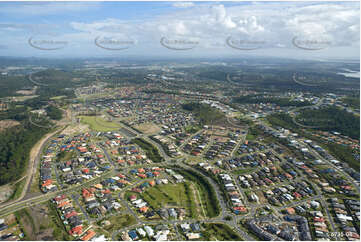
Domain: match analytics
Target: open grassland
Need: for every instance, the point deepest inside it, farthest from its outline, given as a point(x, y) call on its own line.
point(172, 195)
point(97, 123)
point(118, 222)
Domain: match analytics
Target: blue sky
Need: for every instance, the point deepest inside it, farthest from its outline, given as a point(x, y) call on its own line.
point(309, 30)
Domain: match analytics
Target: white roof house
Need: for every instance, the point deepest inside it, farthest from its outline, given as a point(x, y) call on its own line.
point(141, 232)
point(149, 230)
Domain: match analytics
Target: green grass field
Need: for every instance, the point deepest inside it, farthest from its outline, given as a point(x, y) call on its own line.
point(171, 195)
point(119, 221)
point(244, 171)
point(165, 195)
point(65, 156)
point(250, 137)
point(97, 123)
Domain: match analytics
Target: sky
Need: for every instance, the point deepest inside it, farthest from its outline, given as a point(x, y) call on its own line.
point(301, 30)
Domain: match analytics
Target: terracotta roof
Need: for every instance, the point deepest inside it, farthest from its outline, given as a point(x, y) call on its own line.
point(47, 183)
point(77, 230)
point(73, 213)
point(143, 209)
point(90, 234)
point(62, 204)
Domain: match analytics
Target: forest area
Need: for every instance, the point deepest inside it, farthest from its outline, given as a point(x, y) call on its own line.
point(16, 142)
point(15, 146)
point(205, 113)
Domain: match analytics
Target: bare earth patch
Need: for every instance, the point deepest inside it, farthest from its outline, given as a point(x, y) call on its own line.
point(81, 128)
point(148, 128)
point(23, 98)
point(26, 92)
point(7, 123)
point(5, 192)
point(36, 222)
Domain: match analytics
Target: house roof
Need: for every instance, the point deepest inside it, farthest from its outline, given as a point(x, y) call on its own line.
point(71, 214)
point(143, 209)
point(60, 197)
point(47, 183)
point(89, 235)
point(62, 204)
point(77, 230)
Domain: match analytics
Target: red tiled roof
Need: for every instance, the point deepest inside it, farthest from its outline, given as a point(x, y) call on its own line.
point(47, 183)
point(73, 213)
point(62, 204)
point(90, 234)
point(240, 208)
point(317, 219)
point(60, 197)
point(143, 209)
point(77, 230)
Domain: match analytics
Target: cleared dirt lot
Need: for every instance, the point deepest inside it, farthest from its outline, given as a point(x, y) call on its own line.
point(7, 123)
point(71, 129)
point(37, 222)
point(148, 128)
point(5, 192)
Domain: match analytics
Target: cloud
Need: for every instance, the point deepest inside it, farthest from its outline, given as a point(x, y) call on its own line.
point(274, 23)
point(21, 28)
point(45, 8)
point(183, 4)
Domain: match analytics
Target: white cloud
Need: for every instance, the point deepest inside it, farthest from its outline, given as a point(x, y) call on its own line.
point(183, 4)
point(275, 23)
point(46, 8)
